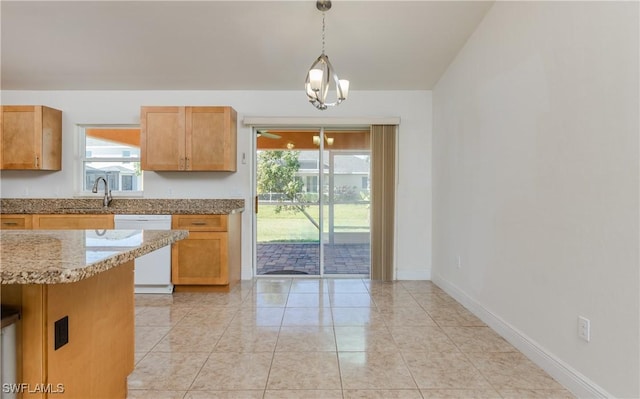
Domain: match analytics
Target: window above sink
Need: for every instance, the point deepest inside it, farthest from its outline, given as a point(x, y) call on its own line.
point(112, 152)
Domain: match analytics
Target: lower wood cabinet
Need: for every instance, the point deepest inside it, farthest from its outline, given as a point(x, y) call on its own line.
point(15, 222)
point(98, 315)
point(210, 256)
point(72, 222)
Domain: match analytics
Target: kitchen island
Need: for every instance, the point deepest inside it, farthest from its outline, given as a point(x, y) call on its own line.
point(75, 292)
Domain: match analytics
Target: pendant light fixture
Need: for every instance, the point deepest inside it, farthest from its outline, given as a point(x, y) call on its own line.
point(322, 76)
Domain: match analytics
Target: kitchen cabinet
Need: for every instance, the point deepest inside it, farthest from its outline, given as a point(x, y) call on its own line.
point(30, 138)
point(15, 222)
point(72, 222)
point(188, 138)
point(210, 256)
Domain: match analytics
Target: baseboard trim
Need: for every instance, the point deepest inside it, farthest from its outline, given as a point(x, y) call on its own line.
point(574, 381)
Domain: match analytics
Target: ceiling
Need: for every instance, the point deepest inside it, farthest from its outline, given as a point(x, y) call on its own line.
point(228, 45)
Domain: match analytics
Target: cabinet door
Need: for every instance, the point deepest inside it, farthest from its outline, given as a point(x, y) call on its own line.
point(31, 138)
point(51, 139)
point(200, 259)
point(72, 222)
point(13, 222)
point(20, 144)
point(211, 138)
point(162, 138)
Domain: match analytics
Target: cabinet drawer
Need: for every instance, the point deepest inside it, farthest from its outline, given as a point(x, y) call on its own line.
point(199, 222)
point(72, 222)
point(8, 222)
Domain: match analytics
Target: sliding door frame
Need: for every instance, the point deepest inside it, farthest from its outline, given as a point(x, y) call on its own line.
point(265, 123)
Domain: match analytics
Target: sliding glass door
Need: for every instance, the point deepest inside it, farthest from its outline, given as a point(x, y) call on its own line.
point(313, 202)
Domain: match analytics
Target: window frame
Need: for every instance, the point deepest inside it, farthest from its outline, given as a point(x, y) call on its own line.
point(81, 158)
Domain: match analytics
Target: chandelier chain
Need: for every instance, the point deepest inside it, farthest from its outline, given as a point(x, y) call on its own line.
point(323, 32)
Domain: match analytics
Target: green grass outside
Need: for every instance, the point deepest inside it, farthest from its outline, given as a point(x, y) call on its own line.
point(288, 226)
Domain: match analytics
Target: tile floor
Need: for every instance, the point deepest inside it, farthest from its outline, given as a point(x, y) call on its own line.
point(332, 338)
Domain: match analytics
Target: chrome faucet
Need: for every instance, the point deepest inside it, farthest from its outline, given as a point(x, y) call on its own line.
point(107, 193)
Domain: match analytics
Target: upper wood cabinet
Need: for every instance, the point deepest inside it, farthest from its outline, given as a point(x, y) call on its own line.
point(188, 138)
point(30, 137)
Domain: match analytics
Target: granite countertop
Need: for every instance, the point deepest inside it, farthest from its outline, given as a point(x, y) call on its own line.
point(67, 256)
point(121, 206)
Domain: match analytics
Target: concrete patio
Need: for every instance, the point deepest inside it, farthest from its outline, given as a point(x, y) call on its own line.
point(303, 258)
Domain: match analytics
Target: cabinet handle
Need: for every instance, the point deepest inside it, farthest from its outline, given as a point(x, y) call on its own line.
point(187, 163)
point(36, 161)
point(199, 223)
point(181, 166)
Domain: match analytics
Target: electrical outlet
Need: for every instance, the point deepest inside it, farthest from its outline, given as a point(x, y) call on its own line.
point(584, 328)
point(61, 332)
point(459, 262)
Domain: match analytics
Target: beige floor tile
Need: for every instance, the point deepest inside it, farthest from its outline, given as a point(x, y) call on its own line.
point(407, 317)
point(351, 300)
point(512, 370)
point(418, 285)
point(450, 370)
point(346, 285)
point(382, 394)
point(164, 316)
point(137, 356)
point(423, 339)
point(536, 394)
point(455, 316)
point(234, 371)
point(308, 300)
point(306, 339)
point(303, 394)
point(209, 315)
point(383, 286)
point(307, 317)
point(374, 370)
point(460, 394)
point(267, 300)
point(273, 285)
point(477, 339)
point(361, 339)
point(189, 339)
point(248, 338)
point(148, 337)
point(363, 316)
point(309, 286)
point(153, 300)
point(239, 394)
point(393, 298)
point(313, 370)
point(265, 317)
point(151, 394)
point(166, 371)
point(325, 339)
point(390, 305)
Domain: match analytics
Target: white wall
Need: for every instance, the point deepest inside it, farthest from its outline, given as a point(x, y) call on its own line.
point(123, 107)
point(535, 181)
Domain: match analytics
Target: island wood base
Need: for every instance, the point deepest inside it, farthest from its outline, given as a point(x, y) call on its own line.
point(99, 356)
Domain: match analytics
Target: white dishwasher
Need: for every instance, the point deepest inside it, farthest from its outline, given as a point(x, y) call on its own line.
point(153, 270)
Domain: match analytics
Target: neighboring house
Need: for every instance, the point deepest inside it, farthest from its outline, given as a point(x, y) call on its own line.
point(350, 174)
point(119, 177)
point(116, 162)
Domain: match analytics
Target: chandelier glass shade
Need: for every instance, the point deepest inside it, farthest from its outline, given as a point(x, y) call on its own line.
point(322, 78)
